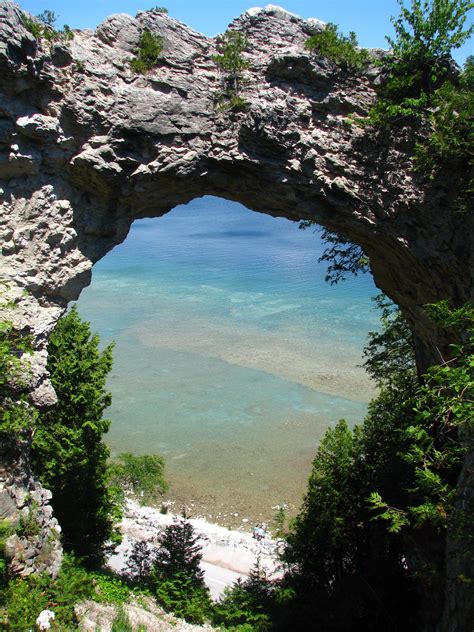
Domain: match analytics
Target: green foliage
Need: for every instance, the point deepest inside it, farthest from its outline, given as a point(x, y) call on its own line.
point(110, 588)
point(17, 416)
point(32, 25)
point(149, 52)
point(230, 60)
point(121, 623)
point(68, 453)
point(425, 35)
point(43, 27)
point(177, 579)
point(335, 548)
point(6, 530)
point(142, 476)
point(340, 49)
point(28, 525)
point(24, 599)
point(441, 431)
point(344, 257)
point(390, 353)
point(48, 17)
point(323, 529)
point(159, 9)
point(139, 564)
point(181, 596)
point(451, 139)
point(279, 522)
point(179, 553)
point(245, 606)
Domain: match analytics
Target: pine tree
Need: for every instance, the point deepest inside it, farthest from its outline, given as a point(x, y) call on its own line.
point(179, 553)
point(68, 453)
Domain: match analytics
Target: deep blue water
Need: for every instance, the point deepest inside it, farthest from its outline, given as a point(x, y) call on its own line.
point(232, 353)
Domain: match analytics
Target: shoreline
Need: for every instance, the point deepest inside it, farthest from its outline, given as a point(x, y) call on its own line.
point(235, 551)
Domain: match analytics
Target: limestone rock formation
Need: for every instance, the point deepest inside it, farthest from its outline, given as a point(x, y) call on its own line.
point(87, 146)
point(34, 544)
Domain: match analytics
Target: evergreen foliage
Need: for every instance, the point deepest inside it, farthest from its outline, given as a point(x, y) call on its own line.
point(246, 605)
point(232, 63)
point(334, 546)
point(177, 579)
point(149, 52)
point(179, 553)
point(139, 564)
point(44, 27)
point(68, 453)
point(339, 48)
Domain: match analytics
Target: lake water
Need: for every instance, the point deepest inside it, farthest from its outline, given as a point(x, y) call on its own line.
point(232, 354)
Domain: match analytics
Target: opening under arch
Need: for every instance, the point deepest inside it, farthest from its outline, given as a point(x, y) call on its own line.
point(233, 355)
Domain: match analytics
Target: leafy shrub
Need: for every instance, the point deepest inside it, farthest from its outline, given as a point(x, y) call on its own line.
point(451, 139)
point(149, 52)
point(159, 9)
point(6, 530)
point(337, 47)
point(25, 598)
point(142, 475)
point(32, 25)
point(17, 416)
point(110, 588)
point(28, 526)
point(43, 27)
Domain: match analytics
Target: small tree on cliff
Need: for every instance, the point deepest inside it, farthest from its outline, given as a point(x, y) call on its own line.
point(69, 454)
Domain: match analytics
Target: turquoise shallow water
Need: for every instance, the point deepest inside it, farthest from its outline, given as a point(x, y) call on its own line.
point(232, 354)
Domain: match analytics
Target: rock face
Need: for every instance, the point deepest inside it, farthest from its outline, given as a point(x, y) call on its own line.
point(87, 146)
point(34, 544)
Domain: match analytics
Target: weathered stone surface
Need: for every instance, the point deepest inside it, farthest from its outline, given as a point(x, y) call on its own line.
point(23, 501)
point(87, 146)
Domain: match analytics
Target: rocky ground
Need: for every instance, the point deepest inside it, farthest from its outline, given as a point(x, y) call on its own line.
point(227, 554)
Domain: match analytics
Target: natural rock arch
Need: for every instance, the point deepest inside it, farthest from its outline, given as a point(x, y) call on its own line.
point(87, 146)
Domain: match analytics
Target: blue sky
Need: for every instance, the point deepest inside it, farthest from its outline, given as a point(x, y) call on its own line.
point(370, 19)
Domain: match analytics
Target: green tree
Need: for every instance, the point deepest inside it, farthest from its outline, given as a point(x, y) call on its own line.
point(179, 552)
point(230, 60)
point(335, 549)
point(426, 33)
point(69, 454)
point(177, 578)
point(150, 47)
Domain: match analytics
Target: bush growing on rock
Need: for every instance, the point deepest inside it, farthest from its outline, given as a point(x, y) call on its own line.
point(149, 52)
point(338, 48)
point(231, 61)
